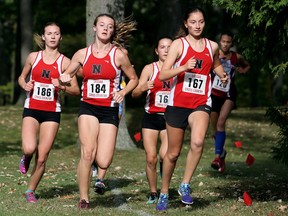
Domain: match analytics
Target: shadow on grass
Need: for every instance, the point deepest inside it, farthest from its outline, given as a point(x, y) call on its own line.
point(66, 190)
point(261, 181)
point(259, 190)
point(175, 201)
point(10, 148)
point(53, 192)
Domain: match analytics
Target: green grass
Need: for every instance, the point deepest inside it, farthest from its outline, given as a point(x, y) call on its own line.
point(214, 194)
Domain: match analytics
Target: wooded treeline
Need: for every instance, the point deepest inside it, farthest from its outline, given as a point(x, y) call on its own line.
point(260, 28)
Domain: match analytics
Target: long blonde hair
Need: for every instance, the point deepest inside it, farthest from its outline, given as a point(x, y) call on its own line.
point(122, 30)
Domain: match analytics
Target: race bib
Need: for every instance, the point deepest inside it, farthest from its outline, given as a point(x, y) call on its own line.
point(217, 84)
point(43, 92)
point(161, 99)
point(98, 88)
point(194, 83)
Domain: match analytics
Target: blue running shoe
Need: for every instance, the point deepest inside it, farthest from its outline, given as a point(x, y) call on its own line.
point(184, 191)
point(162, 202)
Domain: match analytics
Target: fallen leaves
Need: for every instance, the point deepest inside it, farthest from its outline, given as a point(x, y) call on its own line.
point(282, 208)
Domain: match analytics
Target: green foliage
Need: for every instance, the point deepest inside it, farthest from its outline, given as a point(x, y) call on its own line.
point(260, 28)
point(266, 27)
point(262, 33)
point(6, 93)
point(279, 117)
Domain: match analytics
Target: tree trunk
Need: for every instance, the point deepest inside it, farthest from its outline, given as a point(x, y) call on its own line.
point(116, 9)
point(169, 24)
point(26, 42)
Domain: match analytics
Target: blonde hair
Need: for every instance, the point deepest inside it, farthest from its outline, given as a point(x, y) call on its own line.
point(39, 41)
point(122, 30)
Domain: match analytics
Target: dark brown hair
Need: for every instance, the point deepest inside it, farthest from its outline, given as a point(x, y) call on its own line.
point(183, 31)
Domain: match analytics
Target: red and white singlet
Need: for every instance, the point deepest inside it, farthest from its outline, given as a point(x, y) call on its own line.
point(44, 96)
point(223, 90)
point(101, 78)
point(192, 88)
point(157, 98)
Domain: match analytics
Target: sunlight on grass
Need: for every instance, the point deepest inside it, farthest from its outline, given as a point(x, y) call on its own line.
point(214, 194)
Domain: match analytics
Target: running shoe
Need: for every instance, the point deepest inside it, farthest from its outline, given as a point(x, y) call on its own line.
point(99, 187)
point(216, 163)
point(30, 197)
point(184, 191)
point(162, 202)
point(152, 198)
point(219, 162)
point(24, 164)
point(83, 204)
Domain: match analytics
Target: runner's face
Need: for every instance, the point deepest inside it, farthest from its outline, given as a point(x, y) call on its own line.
point(52, 36)
point(225, 43)
point(104, 27)
point(195, 24)
point(163, 48)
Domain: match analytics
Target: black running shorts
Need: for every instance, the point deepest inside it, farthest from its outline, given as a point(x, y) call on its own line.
point(104, 114)
point(42, 116)
point(154, 121)
point(178, 116)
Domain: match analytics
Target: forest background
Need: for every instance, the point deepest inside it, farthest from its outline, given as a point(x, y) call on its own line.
point(261, 33)
point(260, 28)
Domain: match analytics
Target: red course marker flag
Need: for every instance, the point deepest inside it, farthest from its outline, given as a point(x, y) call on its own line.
point(247, 199)
point(250, 160)
point(137, 136)
point(238, 144)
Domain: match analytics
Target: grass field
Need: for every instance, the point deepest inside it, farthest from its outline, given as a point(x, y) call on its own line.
point(214, 194)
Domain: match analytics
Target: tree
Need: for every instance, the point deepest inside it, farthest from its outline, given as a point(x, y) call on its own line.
point(264, 40)
point(8, 27)
point(116, 9)
point(169, 25)
point(24, 42)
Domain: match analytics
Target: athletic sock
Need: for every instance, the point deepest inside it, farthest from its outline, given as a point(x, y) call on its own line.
point(220, 138)
point(29, 191)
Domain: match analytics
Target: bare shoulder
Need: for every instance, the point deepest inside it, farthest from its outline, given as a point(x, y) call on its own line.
point(176, 48)
point(215, 46)
point(80, 55)
point(177, 42)
point(121, 56)
point(31, 57)
point(148, 68)
point(82, 51)
point(125, 51)
point(121, 52)
point(66, 61)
